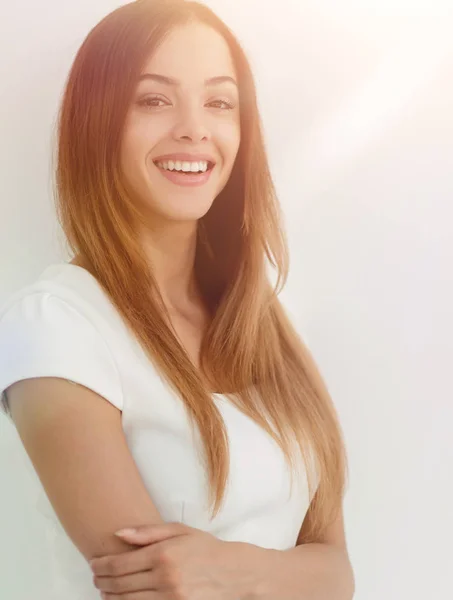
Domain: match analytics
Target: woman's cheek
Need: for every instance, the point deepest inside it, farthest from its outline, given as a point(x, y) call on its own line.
point(228, 133)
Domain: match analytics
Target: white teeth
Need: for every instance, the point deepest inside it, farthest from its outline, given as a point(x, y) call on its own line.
point(185, 166)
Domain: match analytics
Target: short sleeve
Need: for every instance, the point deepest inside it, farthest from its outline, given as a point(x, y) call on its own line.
point(42, 335)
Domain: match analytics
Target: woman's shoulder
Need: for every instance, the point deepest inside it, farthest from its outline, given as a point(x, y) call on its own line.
point(61, 283)
point(59, 325)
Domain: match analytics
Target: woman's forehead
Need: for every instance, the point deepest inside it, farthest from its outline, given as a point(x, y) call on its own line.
point(190, 51)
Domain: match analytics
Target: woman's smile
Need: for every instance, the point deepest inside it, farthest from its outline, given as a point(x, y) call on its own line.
point(185, 176)
point(186, 169)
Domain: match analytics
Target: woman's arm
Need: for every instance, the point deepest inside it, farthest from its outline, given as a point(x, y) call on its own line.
point(211, 568)
point(317, 571)
point(306, 572)
point(75, 441)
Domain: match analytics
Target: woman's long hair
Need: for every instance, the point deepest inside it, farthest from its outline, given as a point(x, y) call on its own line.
point(250, 349)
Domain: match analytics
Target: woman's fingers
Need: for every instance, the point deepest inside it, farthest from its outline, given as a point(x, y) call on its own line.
point(136, 582)
point(134, 596)
point(126, 563)
point(150, 534)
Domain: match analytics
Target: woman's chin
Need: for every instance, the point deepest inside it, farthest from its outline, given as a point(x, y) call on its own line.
point(182, 210)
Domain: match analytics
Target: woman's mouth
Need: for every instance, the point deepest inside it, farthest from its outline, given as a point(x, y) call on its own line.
point(186, 173)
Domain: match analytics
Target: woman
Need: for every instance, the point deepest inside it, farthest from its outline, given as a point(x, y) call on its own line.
point(198, 415)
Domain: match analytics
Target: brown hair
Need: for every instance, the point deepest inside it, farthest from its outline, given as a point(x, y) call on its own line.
point(250, 348)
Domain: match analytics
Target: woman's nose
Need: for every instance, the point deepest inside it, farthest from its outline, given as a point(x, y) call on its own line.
point(191, 127)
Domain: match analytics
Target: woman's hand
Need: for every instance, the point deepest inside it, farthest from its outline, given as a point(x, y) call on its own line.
point(177, 561)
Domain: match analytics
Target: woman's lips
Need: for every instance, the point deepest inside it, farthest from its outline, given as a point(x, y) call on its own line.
point(186, 179)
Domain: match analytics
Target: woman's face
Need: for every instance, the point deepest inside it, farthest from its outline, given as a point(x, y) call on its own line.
point(182, 132)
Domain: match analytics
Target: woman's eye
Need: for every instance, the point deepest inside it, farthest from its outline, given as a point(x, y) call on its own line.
point(222, 104)
point(157, 102)
point(152, 102)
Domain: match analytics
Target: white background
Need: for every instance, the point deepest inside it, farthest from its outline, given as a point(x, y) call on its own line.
point(357, 102)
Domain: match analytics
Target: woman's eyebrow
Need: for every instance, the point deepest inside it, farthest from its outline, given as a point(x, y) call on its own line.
point(220, 79)
point(174, 82)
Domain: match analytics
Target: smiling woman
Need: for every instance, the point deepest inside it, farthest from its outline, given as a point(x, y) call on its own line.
point(185, 111)
point(197, 401)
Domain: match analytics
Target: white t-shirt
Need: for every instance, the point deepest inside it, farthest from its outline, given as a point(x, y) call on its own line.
point(64, 325)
